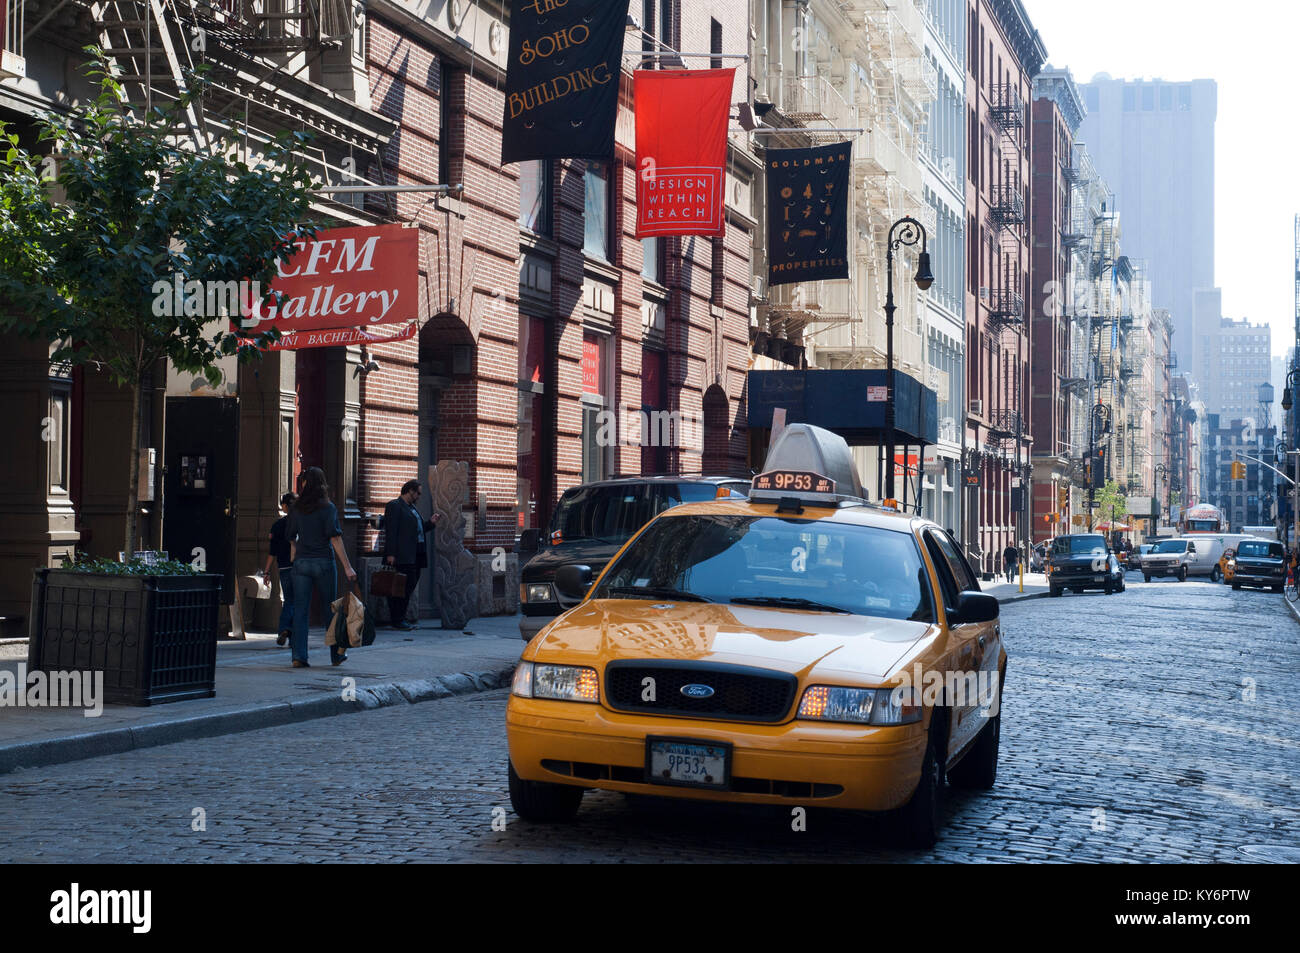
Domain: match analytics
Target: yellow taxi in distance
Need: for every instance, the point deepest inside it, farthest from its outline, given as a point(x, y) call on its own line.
point(802, 647)
point(1228, 566)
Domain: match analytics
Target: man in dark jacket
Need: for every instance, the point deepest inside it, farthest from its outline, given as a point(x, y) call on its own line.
point(404, 546)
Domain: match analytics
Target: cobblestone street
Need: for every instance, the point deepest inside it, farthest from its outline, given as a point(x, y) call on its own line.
point(1152, 725)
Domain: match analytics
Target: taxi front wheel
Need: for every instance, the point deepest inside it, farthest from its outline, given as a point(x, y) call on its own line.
point(919, 818)
point(539, 801)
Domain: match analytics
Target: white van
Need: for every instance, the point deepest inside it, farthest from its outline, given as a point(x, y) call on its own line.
point(1196, 555)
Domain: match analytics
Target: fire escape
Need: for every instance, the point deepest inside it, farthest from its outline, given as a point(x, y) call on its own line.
point(263, 73)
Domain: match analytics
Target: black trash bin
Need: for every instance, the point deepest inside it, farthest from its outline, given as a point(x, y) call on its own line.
point(153, 637)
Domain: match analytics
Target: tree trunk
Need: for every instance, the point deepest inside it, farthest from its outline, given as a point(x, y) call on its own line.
point(133, 477)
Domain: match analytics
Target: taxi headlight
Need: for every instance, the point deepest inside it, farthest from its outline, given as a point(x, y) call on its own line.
point(874, 706)
point(570, 683)
point(539, 592)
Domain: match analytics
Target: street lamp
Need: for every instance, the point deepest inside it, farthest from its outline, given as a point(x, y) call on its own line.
point(910, 232)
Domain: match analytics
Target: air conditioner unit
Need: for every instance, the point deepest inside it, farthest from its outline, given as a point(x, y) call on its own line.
point(756, 287)
point(984, 293)
point(977, 408)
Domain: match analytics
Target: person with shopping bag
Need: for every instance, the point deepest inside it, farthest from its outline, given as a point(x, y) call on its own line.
point(404, 547)
point(351, 625)
point(315, 540)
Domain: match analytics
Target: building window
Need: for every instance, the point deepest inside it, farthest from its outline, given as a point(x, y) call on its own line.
point(652, 260)
point(595, 438)
point(447, 133)
point(719, 271)
point(596, 212)
point(654, 397)
point(715, 44)
point(535, 196)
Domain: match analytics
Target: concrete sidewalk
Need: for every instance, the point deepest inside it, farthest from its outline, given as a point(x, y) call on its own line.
point(1035, 586)
point(256, 687)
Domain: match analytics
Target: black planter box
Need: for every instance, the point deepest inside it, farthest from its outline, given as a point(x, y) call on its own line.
point(153, 637)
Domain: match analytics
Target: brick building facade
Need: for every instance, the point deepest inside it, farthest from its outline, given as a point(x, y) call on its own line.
point(1005, 54)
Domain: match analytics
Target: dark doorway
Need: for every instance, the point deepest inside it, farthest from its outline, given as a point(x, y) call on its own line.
point(201, 484)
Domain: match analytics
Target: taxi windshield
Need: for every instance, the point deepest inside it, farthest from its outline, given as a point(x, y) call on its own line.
point(1078, 545)
point(1171, 546)
point(771, 561)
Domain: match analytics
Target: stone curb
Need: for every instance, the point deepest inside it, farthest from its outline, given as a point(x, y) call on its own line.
point(93, 744)
point(1295, 610)
point(1021, 597)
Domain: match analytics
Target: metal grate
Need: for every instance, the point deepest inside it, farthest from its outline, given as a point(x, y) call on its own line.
point(739, 693)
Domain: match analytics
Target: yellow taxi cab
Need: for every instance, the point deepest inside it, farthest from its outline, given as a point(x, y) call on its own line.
point(802, 647)
point(1228, 565)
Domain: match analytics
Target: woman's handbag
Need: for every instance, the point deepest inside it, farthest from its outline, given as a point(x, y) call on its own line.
point(387, 581)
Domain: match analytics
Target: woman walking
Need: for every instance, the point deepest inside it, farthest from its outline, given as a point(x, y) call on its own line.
point(279, 555)
point(313, 532)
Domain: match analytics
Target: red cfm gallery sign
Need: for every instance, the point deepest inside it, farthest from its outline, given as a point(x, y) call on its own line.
point(340, 286)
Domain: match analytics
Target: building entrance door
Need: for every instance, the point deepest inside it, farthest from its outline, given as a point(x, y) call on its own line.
point(201, 484)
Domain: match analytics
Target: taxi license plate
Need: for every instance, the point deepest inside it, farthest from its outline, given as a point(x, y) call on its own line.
point(685, 761)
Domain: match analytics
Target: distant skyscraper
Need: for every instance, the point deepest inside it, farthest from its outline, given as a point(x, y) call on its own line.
point(1153, 143)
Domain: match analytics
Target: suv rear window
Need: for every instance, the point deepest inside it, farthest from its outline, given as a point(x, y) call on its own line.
point(610, 514)
point(1078, 545)
point(1260, 549)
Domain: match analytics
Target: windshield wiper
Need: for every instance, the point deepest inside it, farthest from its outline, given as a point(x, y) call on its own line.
point(659, 592)
point(787, 602)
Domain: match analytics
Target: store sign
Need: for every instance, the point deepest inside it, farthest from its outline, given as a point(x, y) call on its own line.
point(562, 79)
point(341, 337)
point(343, 279)
point(681, 151)
point(905, 465)
point(591, 365)
point(969, 478)
point(808, 213)
point(877, 395)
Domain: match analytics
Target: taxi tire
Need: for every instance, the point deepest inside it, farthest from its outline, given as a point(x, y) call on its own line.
point(978, 770)
point(918, 819)
point(539, 801)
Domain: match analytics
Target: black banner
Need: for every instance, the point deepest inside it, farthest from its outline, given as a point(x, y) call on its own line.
point(562, 79)
point(808, 213)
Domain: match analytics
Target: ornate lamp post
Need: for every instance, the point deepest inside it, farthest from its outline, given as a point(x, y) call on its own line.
point(1099, 426)
point(909, 232)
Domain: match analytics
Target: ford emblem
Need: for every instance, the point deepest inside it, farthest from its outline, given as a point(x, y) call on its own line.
point(697, 691)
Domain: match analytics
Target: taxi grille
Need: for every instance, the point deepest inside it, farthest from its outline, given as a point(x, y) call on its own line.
point(739, 693)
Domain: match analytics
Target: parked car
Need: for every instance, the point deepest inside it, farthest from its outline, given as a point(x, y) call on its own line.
point(591, 523)
point(1083, 561)
point(1038, 558)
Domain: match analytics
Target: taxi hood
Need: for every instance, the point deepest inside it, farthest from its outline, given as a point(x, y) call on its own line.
point(817, 645)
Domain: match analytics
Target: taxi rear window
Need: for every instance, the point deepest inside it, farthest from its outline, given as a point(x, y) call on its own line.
point(765, 560)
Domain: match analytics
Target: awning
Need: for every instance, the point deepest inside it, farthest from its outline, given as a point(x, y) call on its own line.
point(850, 403)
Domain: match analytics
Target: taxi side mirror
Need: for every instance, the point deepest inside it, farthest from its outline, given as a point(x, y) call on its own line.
point(573, 581)
point(974, 607)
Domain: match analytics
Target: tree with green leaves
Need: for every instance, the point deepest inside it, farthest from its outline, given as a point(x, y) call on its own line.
point(140, 211)
point(1112, 505)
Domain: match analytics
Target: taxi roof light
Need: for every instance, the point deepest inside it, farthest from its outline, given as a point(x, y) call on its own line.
point(803, 450)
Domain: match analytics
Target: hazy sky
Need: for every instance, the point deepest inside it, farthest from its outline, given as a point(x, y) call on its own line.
point(1252, 48)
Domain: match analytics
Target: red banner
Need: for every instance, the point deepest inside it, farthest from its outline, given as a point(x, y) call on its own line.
point(344, 278)
point(681, 151)
point(591, 376)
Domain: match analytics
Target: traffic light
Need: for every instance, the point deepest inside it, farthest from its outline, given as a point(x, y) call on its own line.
point(1097, 476)
point(1238, 470)
point(1063, 496)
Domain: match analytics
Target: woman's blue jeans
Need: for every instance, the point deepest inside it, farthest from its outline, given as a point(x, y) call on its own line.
point(308, 573)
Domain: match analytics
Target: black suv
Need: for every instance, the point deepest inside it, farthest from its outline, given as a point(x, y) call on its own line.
point(1260, 562)
point(1083, 561)
point(591, 523)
